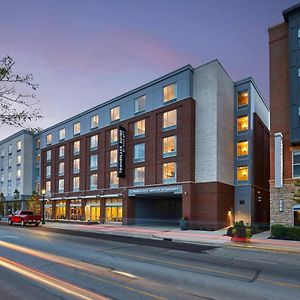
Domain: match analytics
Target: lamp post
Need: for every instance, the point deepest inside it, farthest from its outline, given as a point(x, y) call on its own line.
point(43, 206)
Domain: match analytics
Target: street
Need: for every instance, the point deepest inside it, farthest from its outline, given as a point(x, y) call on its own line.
point(35, 264)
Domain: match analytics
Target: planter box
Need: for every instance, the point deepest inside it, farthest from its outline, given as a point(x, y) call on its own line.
point(184, 224)
point(240, 239)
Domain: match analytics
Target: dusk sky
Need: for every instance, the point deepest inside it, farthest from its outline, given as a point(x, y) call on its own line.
point(85, 52)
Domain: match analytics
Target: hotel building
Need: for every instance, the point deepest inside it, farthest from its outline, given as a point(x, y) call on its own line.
point(192, 144)
point(284, 47)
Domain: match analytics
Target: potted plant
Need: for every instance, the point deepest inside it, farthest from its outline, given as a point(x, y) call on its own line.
point(240, 232)
point(184, 224)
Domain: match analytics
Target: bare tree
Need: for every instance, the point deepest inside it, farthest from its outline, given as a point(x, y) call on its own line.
point(16, 106)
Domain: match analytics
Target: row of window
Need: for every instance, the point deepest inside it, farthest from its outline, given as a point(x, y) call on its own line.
point(168, 169)
point(9, 175)
point(10, 148)
point(9, 187)
point(18, 162)
point(169, 93)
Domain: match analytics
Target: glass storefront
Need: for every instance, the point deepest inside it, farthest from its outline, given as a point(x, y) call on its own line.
point(60, 211)
point(48, 211)
point(75, 210)
point(113, 211)
point(92, 210)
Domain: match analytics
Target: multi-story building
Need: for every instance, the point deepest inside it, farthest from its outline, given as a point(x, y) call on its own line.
point(284, 43)
point(190, 144)
point(16, 169)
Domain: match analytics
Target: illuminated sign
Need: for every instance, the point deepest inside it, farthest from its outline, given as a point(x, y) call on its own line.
point(121, 151)
point(175, 189)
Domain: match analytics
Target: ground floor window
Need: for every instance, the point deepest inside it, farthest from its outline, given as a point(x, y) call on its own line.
point(297, 218)
point(92, 210)
point(48, 211)
point(113, 211)
point(75, 210)
point(60, 211)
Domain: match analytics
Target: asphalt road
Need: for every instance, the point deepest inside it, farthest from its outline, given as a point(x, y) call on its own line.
point(36, 264)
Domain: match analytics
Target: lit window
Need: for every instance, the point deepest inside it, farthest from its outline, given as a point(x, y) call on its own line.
point(61, 185)
point(140, 104)
point(170, 92)
point(76, 147)
point(9, 162)
point(242, 124)
point(113, 158)
point(76, 128)
point(242, 174)
point(94, 142)
point(19, 173)
point(243, 99)
point(9, 149)
point(94, 121)
point(113, 179)
point(139, 152)
point(19, 145)
point(76, 182)
point(242, 148)
point(48, 187)
point(9, 188)
point(2, 152)
point(38, 158)
point(9, 176)
point(298, 35)
point(93, 181)
point(61, 151)
point(94, 162)
point(113, 136)
point(169, 172)
point(37, 143)
point(61, 169)
point(170, 119)
point(76, 165)
point(48, 155)
point(139, 128)
point(18, 159)
point(62, 134)
point(139, 176)
point(48, 171)
point(2, 177)
point(296, 164)
point(49, 139)
point(115, 113)
point(169, 146)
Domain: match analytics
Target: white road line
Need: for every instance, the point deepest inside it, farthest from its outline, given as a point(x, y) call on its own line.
point(125, 274)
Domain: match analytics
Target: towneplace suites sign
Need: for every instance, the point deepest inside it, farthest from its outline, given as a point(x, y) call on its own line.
point(121, 151)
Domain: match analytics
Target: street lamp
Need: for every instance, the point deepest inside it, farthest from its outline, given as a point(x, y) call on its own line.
point(43, 206)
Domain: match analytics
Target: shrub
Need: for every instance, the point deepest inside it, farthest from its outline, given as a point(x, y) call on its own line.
point(293, 233)
point(241, 230)
point(278, 231)
point(230, 231)
point(290, 233)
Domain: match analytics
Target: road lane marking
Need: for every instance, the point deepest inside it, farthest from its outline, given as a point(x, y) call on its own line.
point(49, 280)
point(125, 274)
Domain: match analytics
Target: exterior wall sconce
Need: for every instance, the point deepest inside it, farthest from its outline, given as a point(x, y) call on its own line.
point(281, 205)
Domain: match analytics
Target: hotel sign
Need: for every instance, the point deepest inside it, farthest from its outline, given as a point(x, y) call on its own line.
point(121, 151)
point(175, 189)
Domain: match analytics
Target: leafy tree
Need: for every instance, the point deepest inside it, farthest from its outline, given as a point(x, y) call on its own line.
point(16, 106)
point(33, 203)
point(296, 196)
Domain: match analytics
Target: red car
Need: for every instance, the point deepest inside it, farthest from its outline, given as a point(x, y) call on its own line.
point(24, 217)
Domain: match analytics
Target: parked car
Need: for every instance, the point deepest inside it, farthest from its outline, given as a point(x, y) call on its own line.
point(24, 217)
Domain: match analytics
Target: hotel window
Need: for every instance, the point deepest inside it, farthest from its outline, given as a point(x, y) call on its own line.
point(19, 145)
point(76, 181)
point(170, 120)
point(242, 149)
point(18, 160)
point(298, 76)
point(9, 149)
point(169, 146)
point(9, 176)
point(49, 139)
point(170, 92)
point(139, 152)
point(61, 169)
point(9, 188)
point(18, 184)
point(93, 181)
point(61, 185)
point(139, 176)
point(2, 164)
point(48, 187)
point(113, 179)
point(242, 124)
point(113, 158)
point(36, 172)
point(37, 143)
point(62, 134)
point(9, 162)
point(242, 174)
point(298, 35)
point(94, 121)
point(76, 165)
point(115, 113)
point(2, 177)
point(94, 142)
point(19, 173)
point(140, 104)
point(48, 171)
point(2, 152)
point(113, 136)
point(37, 187)
point(48, 155)
point(93, 162)
point(296, 164)
point(38, 158)
point(76, 147)
point(139, 129)
point(243, 99)
point(76, 128)
point(61, 151)
point(169, 172)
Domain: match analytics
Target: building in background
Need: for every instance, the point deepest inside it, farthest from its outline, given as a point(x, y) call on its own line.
point(190, 144)
point(284, 43)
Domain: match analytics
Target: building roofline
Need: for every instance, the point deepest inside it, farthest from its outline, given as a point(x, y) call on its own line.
point(289, 11)
point(175, 72)
point(251, 80)
point(276, 26)
point(23, 131)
